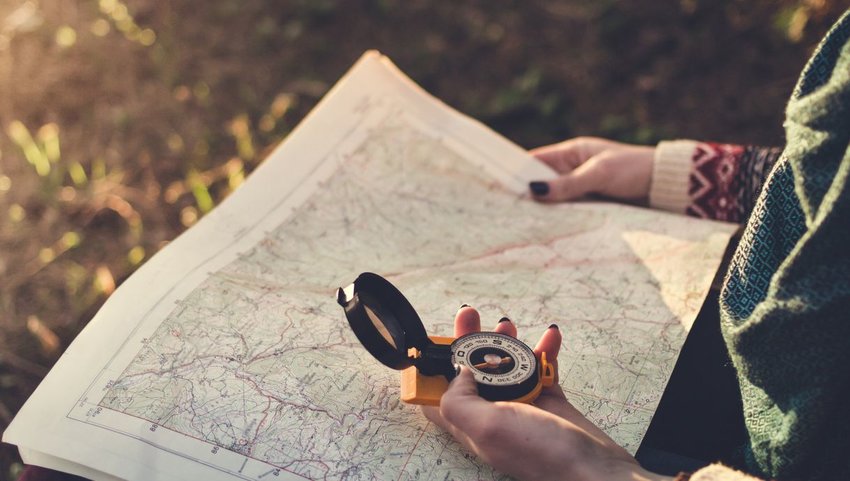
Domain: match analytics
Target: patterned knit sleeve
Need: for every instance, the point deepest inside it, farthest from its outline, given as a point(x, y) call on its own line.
point(710, 180)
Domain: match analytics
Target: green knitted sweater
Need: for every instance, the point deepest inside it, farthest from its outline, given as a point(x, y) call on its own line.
point(785, 305)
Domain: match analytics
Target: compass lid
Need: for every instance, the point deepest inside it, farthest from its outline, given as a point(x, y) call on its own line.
point(383, 320)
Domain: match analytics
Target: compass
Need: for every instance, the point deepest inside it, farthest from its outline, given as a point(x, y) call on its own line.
point(504, 368)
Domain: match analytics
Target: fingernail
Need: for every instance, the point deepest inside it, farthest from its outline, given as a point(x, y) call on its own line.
point(539, 188)
point(464, 305)
point(504, 319)
point(553, 325)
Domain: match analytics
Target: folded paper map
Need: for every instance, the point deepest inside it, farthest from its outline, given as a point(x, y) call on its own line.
point(226, 356)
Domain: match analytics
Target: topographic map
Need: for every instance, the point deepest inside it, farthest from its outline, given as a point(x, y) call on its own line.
point(257, 361)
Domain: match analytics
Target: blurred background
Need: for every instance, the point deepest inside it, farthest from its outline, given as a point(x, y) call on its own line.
point(124, 122)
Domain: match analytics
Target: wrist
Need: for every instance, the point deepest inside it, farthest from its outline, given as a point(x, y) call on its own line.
point(644, 156)
point(671, 170)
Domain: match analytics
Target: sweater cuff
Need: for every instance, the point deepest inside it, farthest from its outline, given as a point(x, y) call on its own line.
point(718, 472)
point(670, 175)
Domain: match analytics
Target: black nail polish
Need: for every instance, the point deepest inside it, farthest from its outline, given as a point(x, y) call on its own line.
point(553, 325)
point(464, 305)
point(539, 188)
point(504, 319)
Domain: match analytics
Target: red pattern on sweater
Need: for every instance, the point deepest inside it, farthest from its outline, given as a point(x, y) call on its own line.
point(713, 184)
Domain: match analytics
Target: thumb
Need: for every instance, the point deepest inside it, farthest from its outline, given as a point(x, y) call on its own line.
point(462, 386)
point(588, 177)
point(461, 405)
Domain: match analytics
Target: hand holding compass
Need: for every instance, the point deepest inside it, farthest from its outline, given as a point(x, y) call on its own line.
point(505, 369)
point(549, 439)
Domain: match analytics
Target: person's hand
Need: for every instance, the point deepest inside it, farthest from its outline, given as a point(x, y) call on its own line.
point(547, 440)
point(590, 165)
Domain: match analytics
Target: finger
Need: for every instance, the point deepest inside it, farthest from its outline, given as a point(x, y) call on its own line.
point(569, 154)
point(562, 157)
point(552, 398)
point(467, 321)
point(461, 405)
point(591, 176)
point(550, 343)
point(506, 327)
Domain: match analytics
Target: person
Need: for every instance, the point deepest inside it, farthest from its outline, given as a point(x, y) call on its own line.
point(783, 306)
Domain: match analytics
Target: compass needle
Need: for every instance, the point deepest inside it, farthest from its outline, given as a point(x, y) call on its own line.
point(491, 363)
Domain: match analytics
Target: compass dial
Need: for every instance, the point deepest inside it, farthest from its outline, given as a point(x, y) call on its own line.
point(495, 359)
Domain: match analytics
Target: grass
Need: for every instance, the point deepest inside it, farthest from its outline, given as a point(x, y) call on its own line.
point(123, 123)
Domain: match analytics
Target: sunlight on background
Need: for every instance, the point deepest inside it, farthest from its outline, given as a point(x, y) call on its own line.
point(118, 12)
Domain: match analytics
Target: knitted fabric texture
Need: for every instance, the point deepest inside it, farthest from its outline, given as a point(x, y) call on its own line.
point(785, 305)
point(709, 180)
point(725, 179)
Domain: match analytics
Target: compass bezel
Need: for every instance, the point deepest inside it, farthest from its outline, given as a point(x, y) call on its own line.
point(499, 391)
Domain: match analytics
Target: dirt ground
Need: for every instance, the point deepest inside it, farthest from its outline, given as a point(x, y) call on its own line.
point(121, 123)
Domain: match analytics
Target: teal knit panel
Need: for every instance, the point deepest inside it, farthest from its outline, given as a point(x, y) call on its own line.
point(785, 306)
